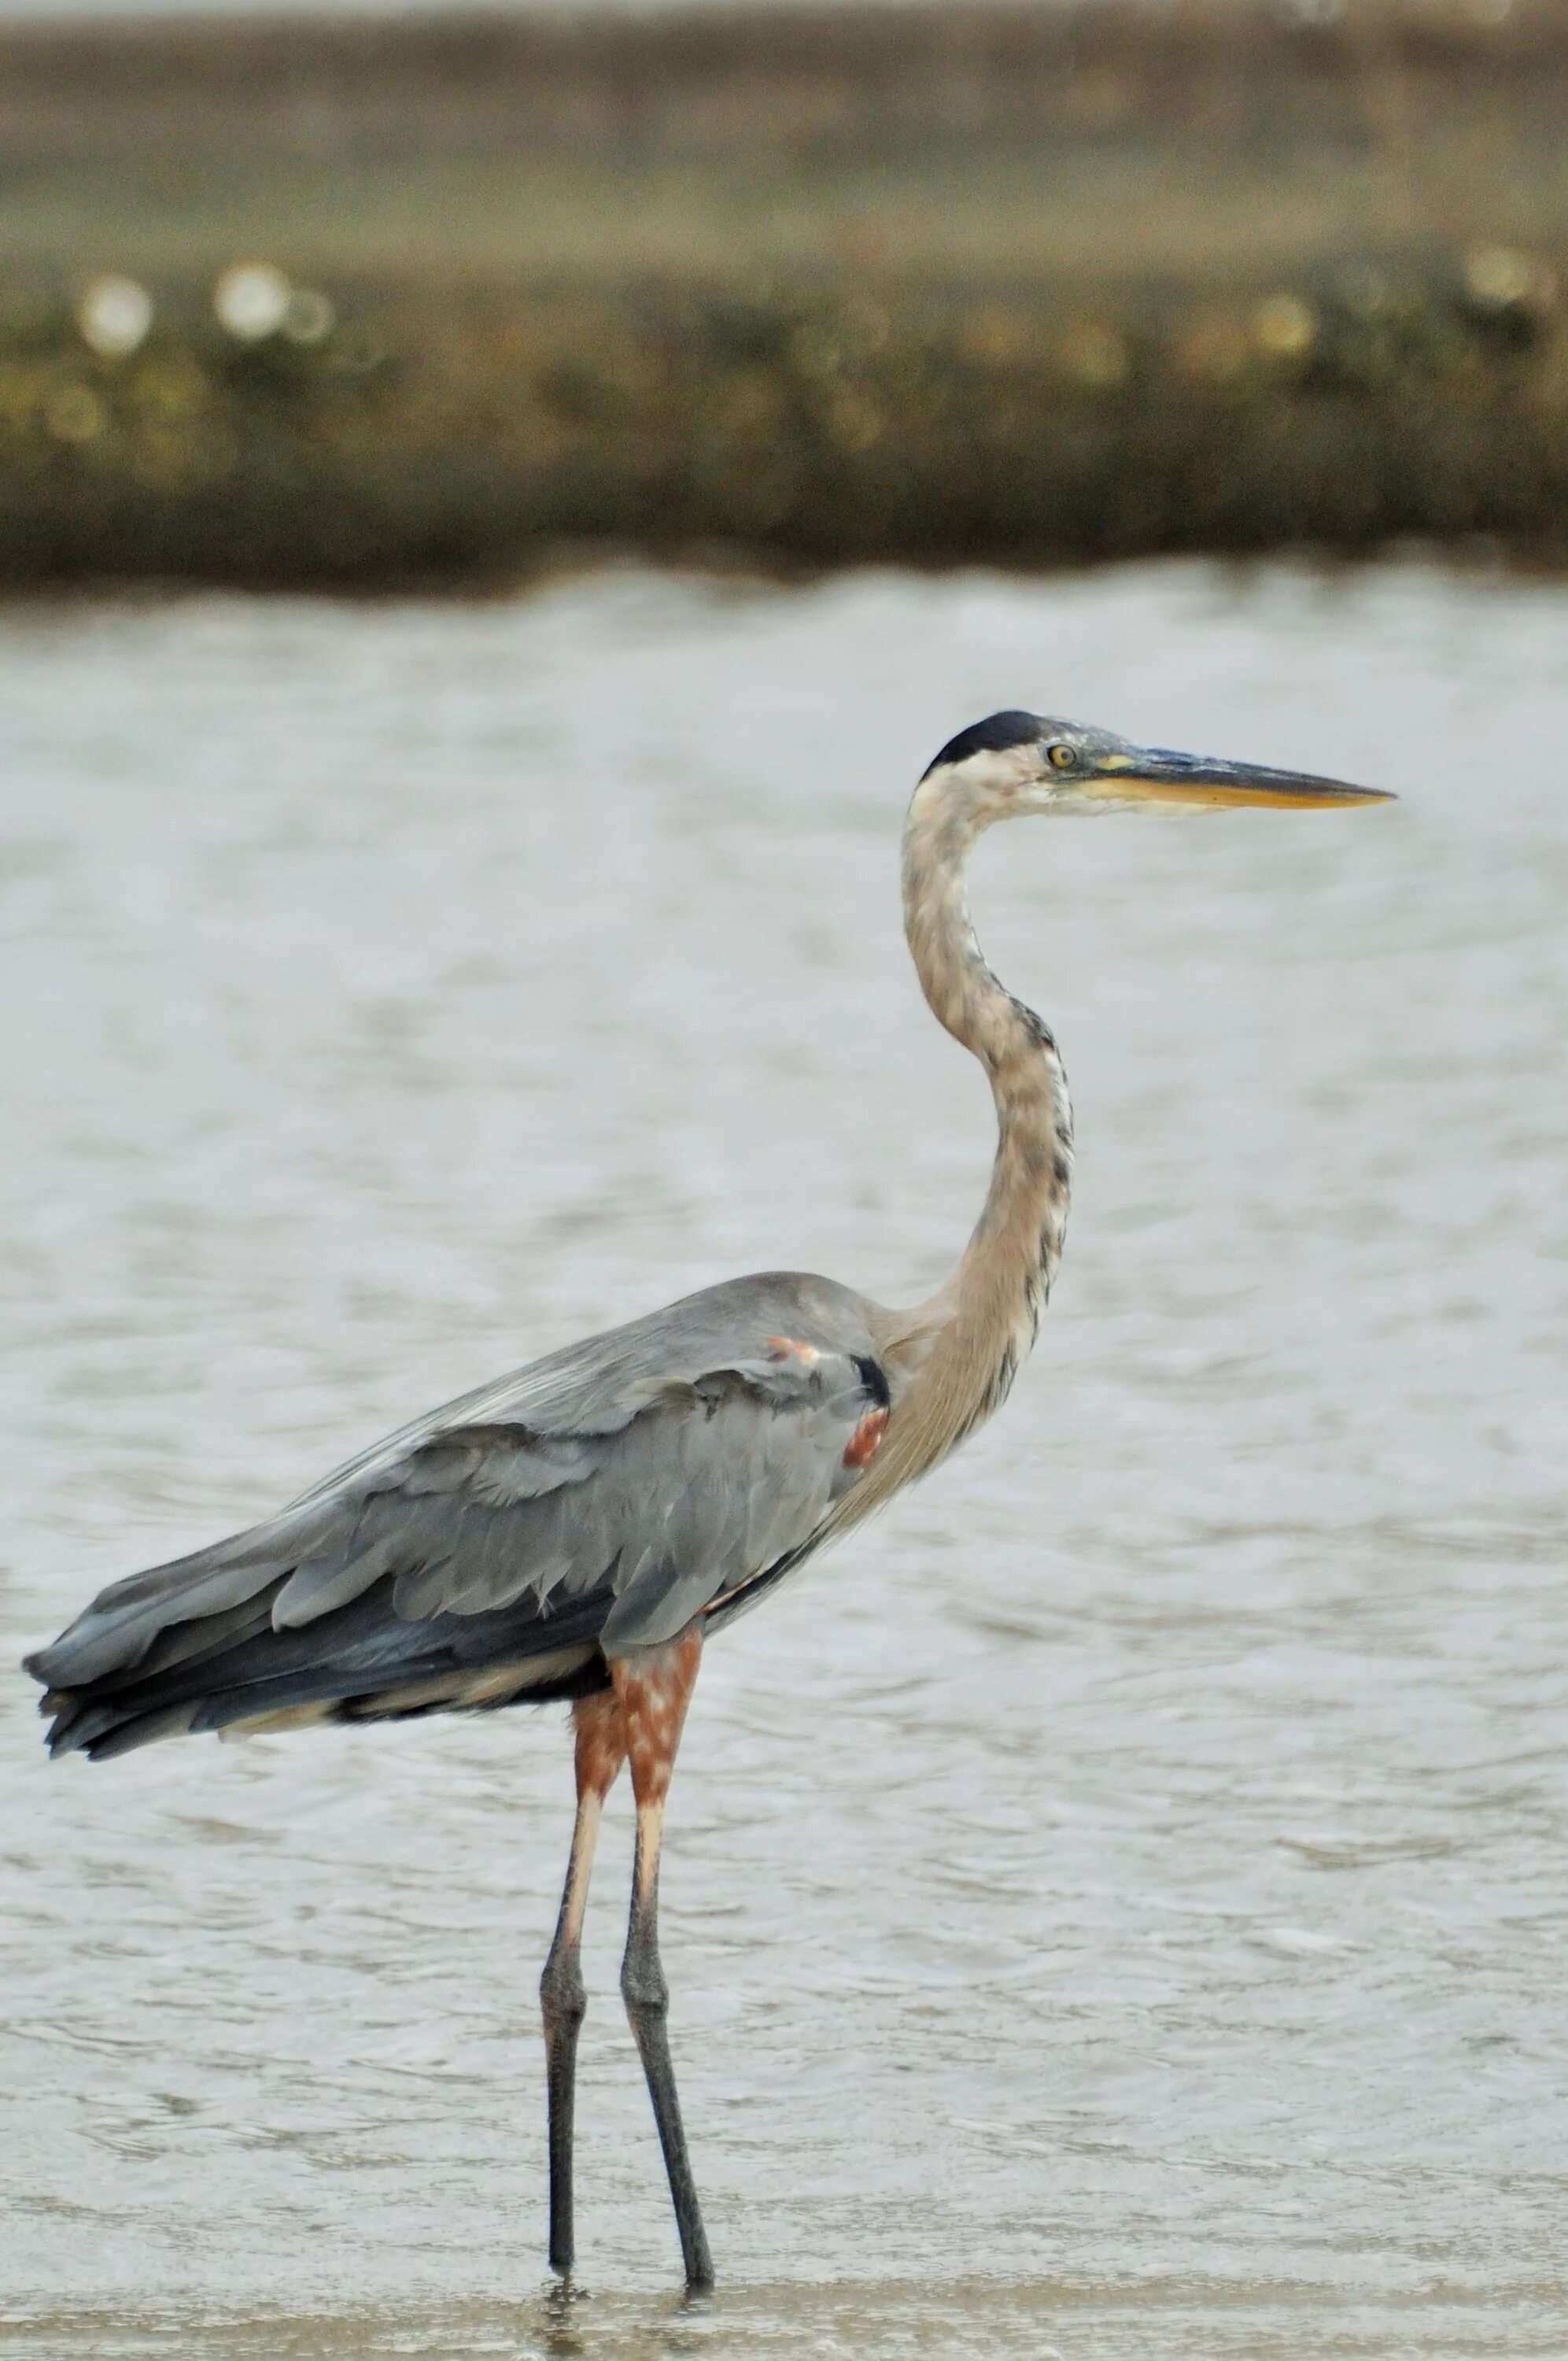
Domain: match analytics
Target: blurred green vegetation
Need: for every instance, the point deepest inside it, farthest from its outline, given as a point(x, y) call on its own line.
point(1020, 285)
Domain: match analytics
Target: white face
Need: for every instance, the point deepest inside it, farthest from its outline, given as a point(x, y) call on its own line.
point(1060, 766)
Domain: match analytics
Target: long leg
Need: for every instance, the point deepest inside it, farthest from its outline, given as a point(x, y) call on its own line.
point(654, 1689)
point(600, 1752)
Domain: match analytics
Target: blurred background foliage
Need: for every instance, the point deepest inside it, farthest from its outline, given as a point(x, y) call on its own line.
point(362, 300)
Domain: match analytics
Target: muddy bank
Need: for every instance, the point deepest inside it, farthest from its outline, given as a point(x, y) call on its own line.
point(1026, 286)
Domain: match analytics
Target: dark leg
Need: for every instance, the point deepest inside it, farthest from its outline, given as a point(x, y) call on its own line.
point(600, 1752)
point(654, 1689)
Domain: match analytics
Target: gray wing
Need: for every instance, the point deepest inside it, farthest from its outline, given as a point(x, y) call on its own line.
point(594, 1501)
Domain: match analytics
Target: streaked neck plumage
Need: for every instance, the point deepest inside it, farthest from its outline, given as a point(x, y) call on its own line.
point(959, 1351)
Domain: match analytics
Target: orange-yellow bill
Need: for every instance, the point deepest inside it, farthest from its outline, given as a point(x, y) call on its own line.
point(1155, 775)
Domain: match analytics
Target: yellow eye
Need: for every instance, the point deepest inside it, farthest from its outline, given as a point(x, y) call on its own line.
point(1062, 758)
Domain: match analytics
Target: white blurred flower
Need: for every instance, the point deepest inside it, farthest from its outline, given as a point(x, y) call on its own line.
point(309, 317)
point(1499, 276)
point(114, 314)
point(251, 300)
point(1285, 326)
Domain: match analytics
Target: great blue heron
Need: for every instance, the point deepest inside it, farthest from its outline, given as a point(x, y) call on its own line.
point(578, 1530)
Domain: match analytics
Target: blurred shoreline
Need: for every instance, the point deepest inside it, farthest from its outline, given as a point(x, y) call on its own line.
point(930, 285)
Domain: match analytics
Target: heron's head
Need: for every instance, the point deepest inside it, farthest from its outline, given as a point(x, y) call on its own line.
point(1014, 763)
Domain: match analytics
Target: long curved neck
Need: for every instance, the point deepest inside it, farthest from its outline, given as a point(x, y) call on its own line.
point(962, 1348)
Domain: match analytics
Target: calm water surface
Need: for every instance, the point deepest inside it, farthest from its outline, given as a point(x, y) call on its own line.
point(1117, 1906)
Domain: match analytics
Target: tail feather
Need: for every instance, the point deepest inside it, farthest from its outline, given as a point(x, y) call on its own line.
point(362, 1661)
point(139, 1729)
point(115, 1631)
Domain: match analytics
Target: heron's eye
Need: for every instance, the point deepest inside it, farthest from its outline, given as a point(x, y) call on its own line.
point(1061, 758)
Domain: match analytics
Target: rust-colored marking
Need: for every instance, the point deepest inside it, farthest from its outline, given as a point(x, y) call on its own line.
point(863, 1444)
point(653, 1690)
point(790, 1348)
point(600, 1728)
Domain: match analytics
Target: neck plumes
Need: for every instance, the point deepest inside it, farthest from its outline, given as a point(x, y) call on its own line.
point(960, 1352)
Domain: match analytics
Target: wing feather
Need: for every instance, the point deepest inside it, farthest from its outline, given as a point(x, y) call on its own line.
point(604, 1496)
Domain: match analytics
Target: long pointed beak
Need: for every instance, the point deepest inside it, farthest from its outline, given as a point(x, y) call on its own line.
point(1155, 775)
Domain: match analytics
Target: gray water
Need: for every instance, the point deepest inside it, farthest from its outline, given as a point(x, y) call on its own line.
point(1115, 1907)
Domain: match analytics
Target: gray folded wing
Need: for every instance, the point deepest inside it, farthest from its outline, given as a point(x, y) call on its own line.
point(594, 1501)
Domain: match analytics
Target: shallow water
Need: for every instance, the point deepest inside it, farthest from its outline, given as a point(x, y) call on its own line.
point(1116, 1906)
